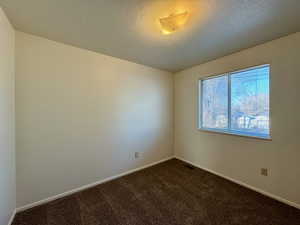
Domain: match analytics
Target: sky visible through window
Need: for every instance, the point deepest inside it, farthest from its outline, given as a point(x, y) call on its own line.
point(245, 110)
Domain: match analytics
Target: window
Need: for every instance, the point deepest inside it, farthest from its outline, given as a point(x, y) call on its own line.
point(237, 103)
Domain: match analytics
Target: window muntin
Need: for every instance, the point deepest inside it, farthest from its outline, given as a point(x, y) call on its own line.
point(237, 103)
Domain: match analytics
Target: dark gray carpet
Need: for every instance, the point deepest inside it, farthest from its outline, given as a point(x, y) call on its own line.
point(166, 194)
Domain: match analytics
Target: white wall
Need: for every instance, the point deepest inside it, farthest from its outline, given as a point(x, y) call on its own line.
point(241, 158)
point(7, 142)
point(81, 116)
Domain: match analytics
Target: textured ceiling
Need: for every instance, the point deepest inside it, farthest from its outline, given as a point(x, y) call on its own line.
point(129, 29)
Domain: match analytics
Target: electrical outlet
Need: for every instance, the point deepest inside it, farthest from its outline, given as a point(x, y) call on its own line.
point(136, 155)
point(264, 171)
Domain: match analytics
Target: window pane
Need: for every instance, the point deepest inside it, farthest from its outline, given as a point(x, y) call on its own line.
point(250, 102)
point(215, 103)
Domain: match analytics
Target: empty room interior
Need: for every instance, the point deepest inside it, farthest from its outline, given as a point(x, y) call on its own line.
point(149, 112)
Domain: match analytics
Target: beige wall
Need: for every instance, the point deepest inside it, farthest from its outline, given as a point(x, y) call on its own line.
point(7, 142)
point(81, 116)
point(241, 158)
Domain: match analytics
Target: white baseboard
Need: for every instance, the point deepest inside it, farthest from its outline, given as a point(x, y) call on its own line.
point(12, 217)
point(280, 199)
point(41, 202)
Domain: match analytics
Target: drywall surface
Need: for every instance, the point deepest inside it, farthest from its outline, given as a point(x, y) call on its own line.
point(241, 158)
point(81, 116)
point(7, 141)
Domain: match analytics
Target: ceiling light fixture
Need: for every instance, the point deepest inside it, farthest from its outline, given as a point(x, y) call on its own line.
point(173, 22)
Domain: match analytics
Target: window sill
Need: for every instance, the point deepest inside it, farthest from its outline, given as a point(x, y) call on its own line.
point(239, 134)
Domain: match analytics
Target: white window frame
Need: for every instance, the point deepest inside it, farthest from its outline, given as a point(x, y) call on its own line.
point(228, 130)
